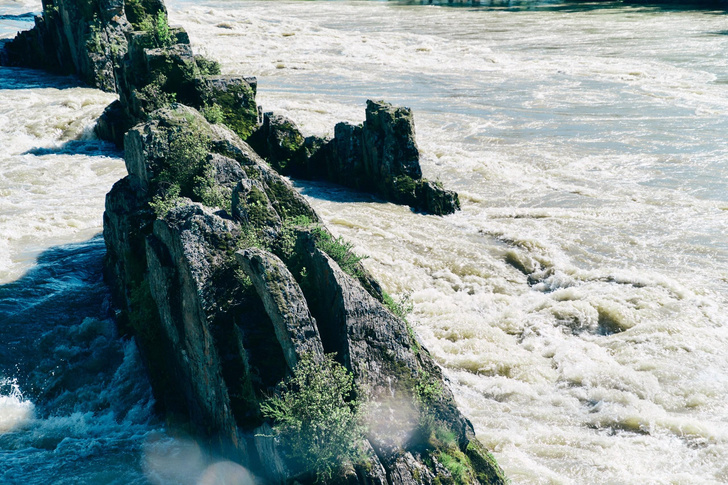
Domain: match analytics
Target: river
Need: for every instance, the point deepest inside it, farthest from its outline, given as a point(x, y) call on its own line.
point(578, 303)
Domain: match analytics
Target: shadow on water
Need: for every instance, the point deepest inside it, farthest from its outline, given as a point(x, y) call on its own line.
point(65, 290)
point(335, 193)
point(92, 403)
point(90, 147)
point(21, 16)
point(22, 78)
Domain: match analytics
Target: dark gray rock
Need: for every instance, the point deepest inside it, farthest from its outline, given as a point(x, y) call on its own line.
point(182, 255)
point(251, 205)
point(226, 171)
point(388, 142)
point(234, 96)
point(222, 347)
point(379, 156)
point(73, 37)
point(284, 302)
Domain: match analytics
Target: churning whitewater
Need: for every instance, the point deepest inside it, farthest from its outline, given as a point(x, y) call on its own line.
point(577, 302)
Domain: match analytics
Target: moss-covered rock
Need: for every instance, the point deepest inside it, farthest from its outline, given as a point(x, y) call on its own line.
point(235, 97)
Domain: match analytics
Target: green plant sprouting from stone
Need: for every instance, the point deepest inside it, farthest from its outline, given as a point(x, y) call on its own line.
point(400, 307)
point(154, 96)
point(339, 250)
point(211, 193)
point(185, 160)
point(317, 416)
point(162, 203)
point(213, 113)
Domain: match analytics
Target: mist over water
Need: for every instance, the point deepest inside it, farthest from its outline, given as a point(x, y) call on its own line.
point(577, 302)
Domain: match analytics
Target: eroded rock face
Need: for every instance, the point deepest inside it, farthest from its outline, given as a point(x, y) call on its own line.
point(182, 255)
point(379, 156)
point(83, 38)
point(388, 142)
point(227, 320)
point(285, 304)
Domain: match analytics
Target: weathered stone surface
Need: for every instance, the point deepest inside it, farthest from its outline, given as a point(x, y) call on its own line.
point(284, 301)
point(279, 141)
point(182, 255)
point(434, 199)
point(274, 467)
point(226, 171)
point(179, 69)
point(235, 97)
point(388, 142)
point(379, 156)
point(74, 37)
point(347, 164)
point(251, 205)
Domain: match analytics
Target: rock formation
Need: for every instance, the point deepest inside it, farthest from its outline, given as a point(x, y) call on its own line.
point(230, 283)
point(225, 301)
point(379, 156)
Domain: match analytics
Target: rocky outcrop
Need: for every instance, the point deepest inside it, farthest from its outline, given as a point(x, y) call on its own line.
point(83, 38)
point(379, 156)
point(128, 47)
point(231, 302)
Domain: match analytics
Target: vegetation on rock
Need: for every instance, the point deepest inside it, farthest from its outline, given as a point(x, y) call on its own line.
point(318, 416)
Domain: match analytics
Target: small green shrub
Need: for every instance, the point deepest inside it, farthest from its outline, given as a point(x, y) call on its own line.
point(401, 307)
point(288, 234)
point(458, 466)
point(249, 238)
point(428, 390)
point(208, 67)
point(185, 160)
point(161, 30)
point(211, 193)
point(93, 41)
point(317, 416)
point(154, 96)
point(213, 113)
point(161, 204)
point(155, 25)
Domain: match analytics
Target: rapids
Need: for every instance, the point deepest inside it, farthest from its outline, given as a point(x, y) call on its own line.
point(577, 302)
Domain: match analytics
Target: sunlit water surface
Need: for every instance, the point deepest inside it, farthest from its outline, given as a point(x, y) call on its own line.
point(588, 148)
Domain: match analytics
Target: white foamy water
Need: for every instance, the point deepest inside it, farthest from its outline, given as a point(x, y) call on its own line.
point(14, 410)
point(53, 173)
point(588, 148)
point(587, 145)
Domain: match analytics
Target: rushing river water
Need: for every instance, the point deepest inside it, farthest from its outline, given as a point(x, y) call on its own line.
point(588, 147)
